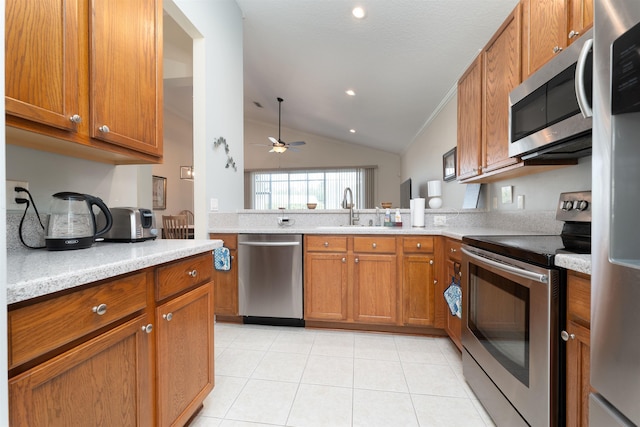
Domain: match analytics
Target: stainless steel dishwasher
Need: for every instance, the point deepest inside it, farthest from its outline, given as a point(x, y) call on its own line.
point(270, 278)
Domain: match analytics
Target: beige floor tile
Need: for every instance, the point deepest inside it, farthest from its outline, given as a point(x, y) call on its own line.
point(379, 375)
point(223, 395)
point(327, 370)
point(435, 380)
point(321, 406)
point(382, 408)
point(439, 411)
point(236, 362)
point(262, 401)
point(280, 367)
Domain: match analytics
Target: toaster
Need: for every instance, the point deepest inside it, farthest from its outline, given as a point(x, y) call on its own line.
point(130, 225)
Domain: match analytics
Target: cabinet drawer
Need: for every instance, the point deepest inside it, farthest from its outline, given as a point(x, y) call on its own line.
point(44, 326)
point(230, 240)
point(374, 244)
point(326, 243)
point(452, 249)
point(419, 245)
point(175, 277)
point(579, 299)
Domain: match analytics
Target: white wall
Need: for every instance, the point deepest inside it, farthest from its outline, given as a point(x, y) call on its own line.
point(320, 152)
point(218, 104)
point(422, 161)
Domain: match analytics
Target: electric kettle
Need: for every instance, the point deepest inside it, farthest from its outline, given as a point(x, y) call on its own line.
point(72, 224)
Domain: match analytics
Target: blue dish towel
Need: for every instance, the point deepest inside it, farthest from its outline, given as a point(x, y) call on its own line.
point(453, 296)
point(221, 259)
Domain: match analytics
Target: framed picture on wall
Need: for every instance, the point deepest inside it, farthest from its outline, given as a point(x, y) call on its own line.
point(159, 193)
point(449, 165)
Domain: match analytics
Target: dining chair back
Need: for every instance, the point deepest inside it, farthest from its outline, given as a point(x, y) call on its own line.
point(175, 226)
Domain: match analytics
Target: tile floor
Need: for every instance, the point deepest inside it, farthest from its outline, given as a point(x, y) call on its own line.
point(277, 376)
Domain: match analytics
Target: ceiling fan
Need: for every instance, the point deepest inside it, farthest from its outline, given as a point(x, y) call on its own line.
point(278, 145)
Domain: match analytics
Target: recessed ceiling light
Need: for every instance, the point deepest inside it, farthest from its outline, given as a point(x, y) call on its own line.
point(358, 12)
point(350, 92)
point(352, 130)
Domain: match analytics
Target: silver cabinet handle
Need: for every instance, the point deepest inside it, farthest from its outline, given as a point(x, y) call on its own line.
point(557, 49)
point(374, 245)
point(573, 34)
point(419, 245)
point(435, 282)
point(344, 260)
point(453, 250)
point(566, 336)
point(233, 257)
point(168, 317)
point(100, 309)
point(104, 129)
point(581, 93)
point(75, 118)
point(148, 328)
point(192, 273)
point(357, 260)
point(431, 262)
point(326, 244)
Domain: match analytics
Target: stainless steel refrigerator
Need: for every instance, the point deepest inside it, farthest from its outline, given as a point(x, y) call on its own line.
point(615, 297)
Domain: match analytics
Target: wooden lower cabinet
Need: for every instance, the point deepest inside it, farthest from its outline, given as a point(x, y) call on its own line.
point(325, 292)
point(578, 348)
point(106, 381)
point(375, 289)
point(185, 366)
point(453, 324)
point(226, 282)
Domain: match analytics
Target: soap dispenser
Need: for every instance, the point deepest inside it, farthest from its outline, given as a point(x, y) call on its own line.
point(398, 218)
point(387, 218)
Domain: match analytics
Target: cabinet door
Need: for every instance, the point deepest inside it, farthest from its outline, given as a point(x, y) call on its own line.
point(185, 372)
point(41, 61)
point(580, 18)
point(544, 30)
point(501, 76)
point(469, 154)
point(125, 93)
point(453, 325)
point(418, 290)
point(325, 286)
point(226, 287)
point(375, 289)
point(578, 371)
point(103, 382)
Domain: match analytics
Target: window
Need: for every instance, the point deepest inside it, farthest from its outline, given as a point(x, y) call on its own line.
point(293, 189)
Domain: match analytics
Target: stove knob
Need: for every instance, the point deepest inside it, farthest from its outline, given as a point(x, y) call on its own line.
point(567, 205)
point(582, 205)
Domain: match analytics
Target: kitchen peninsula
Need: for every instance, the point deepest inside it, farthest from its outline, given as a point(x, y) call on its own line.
point(135, 318)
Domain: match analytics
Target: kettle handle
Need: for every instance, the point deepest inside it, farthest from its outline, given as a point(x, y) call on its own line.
point(107, 213)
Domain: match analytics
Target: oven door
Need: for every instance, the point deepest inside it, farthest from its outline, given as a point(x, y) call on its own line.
point(510, 328)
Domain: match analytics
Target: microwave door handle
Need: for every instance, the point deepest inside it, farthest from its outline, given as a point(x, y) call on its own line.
point(581, 94)
point(542, 278)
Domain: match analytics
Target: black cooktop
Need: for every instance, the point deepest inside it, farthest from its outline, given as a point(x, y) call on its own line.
point(539, 250)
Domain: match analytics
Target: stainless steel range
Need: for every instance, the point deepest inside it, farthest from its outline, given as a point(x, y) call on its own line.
point(513, 312)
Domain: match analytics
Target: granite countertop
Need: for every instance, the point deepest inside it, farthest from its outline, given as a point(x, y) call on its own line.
point(33, 273)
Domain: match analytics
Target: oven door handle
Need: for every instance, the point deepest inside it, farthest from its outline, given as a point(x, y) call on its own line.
point(542, 278)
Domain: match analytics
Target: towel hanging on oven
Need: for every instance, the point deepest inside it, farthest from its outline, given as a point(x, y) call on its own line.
point(453, 294)
point(221, 259)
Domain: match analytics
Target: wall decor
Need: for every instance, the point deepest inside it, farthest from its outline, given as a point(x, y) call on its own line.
point(449, 165)
point(230, 162)
point(159, 193)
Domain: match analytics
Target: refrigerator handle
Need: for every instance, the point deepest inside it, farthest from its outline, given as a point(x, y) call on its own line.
point(583, 103)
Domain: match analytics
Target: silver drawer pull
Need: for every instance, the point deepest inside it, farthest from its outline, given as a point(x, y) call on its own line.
point(192, 273)
point(147, 328)
point(419, 245)
point(100, 309)
point(104, 129)
point(75, 118)
point(168, 317)
point(326, 244)
point(430, 262)
point(374, 245)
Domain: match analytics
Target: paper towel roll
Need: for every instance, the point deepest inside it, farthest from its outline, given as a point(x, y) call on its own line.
point(417, 213)
point(411, 210)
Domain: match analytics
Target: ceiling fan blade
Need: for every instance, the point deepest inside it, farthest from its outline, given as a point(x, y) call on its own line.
point(297, 143)
point(272, 139)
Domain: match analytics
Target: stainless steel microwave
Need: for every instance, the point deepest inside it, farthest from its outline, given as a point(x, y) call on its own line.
point(550, 112)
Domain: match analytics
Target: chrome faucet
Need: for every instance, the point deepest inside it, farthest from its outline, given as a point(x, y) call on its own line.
point(353, 216)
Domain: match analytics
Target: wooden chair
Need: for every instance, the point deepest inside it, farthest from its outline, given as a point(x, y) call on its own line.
point(175, 227)
point(189, 216)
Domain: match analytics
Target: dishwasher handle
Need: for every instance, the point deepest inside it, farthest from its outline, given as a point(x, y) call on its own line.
point(270, 244)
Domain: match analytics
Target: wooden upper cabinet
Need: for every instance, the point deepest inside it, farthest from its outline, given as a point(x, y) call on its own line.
point(580, 18)
point(83, 78)
point(41, 65)
point(544, 29)
point(126, 73)
point(502, 69)
point(469, 153)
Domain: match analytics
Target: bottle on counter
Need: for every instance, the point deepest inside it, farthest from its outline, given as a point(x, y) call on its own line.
point(387, 218)
point(398, 218)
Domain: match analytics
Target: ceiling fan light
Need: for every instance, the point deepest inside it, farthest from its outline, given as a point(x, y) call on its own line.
point(279, 149)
